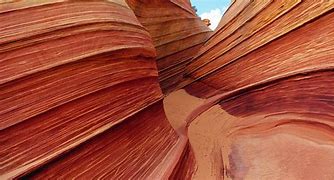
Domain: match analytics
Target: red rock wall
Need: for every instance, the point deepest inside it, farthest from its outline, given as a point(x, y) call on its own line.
point(177, 35)
point(271, 65)
point(186, 166)
point(129, 150)
point(255, 27)
point(75, 76)
point(80, 94)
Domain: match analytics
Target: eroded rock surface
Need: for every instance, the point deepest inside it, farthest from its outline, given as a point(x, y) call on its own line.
point(138, 89)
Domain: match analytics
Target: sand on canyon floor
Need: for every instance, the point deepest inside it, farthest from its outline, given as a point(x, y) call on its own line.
point(255, 147)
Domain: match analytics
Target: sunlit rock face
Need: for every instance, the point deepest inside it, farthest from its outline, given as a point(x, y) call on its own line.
point(137, 89)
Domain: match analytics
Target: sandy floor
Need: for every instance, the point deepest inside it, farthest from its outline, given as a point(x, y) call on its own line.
point(257, 147)
point(204, 132)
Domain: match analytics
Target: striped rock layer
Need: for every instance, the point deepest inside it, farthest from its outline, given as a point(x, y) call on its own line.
point(177, 35)
point(82, 87)
point(79, 90)
point(270, 66)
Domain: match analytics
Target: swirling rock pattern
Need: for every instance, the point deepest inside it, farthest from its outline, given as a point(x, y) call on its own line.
point(177, 35)
point(271, 65)
point(70, 72)
point(83, 88)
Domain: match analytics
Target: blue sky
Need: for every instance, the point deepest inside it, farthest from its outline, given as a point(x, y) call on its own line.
point(211, 9)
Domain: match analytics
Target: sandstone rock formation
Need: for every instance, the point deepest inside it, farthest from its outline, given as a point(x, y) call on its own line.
point(71, 73)
point(271, 63)
point(177, 35)
point(139, 89)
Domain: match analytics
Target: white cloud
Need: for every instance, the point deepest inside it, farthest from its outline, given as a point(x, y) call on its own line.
point(214, 16)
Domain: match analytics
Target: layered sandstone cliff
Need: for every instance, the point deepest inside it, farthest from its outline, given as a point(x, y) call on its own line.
point(138, 89)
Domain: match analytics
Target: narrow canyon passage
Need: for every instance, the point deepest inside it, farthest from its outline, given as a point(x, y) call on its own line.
point(145, 90)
